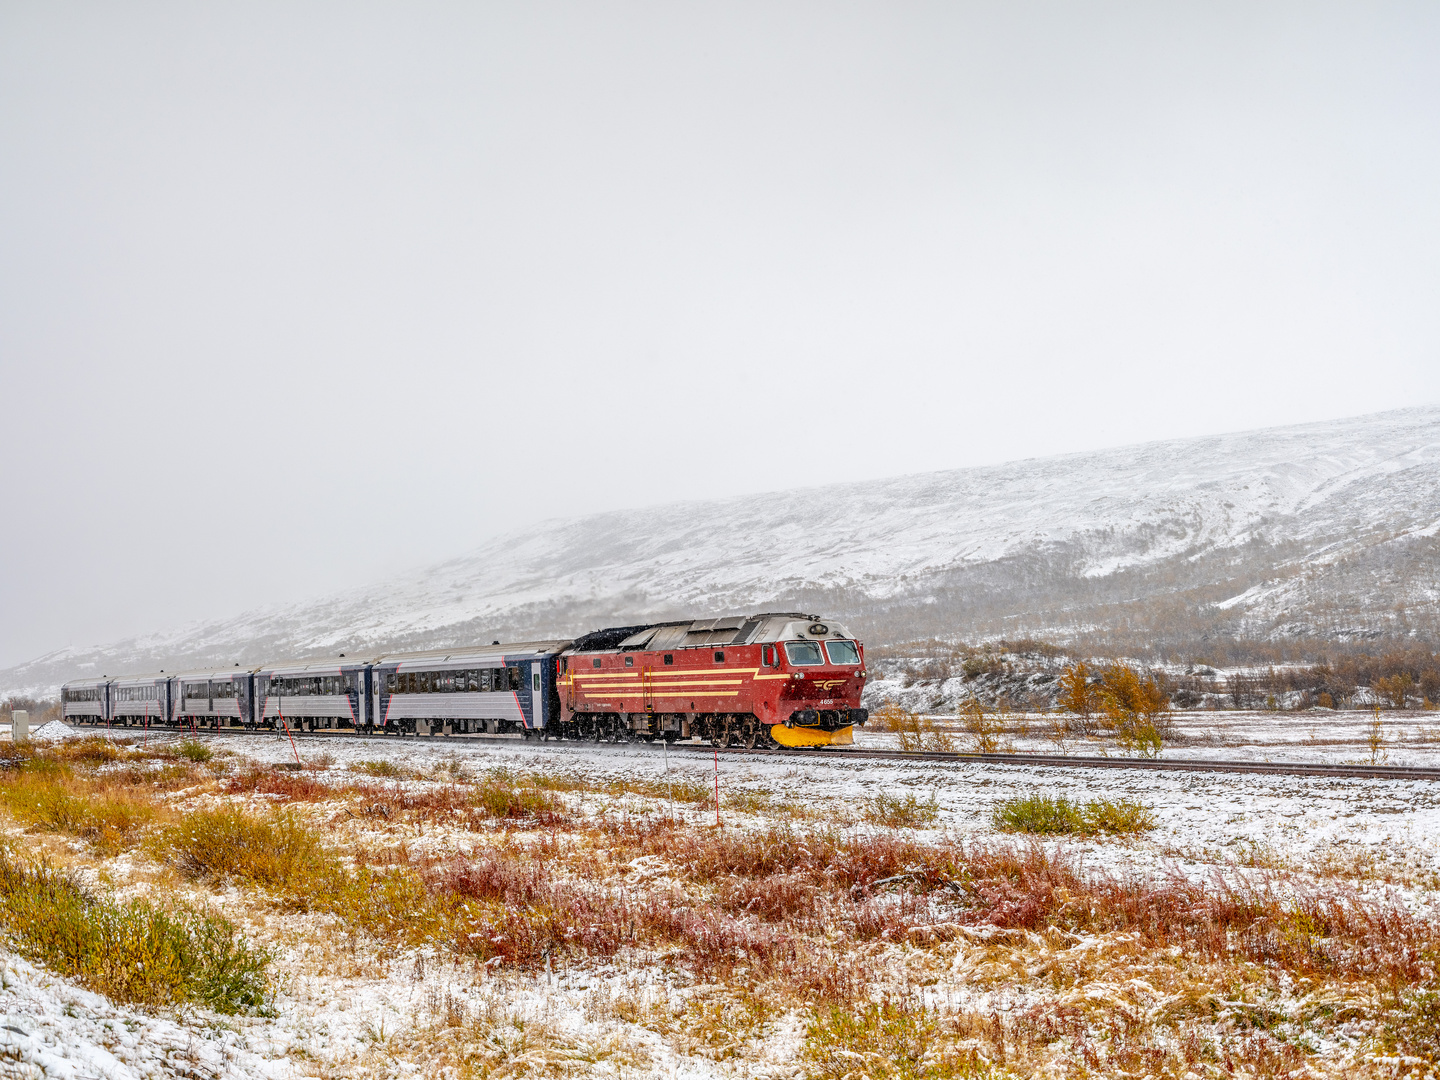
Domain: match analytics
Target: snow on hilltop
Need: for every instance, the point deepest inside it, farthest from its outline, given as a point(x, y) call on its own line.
point(1326, 529)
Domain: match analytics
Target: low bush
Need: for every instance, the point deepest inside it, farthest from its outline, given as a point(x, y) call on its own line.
point(501, 795)
point(131, 951)
point(902, 812)
point(384, 769)
point(194, 750)
point(279, 851)
point(1049, 815)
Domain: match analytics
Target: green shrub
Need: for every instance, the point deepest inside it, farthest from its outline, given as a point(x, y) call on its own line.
point(131, 951)
point(194, 750)
point(386, 769)
point(897, 812)
point(1125, 816)
point(1047, 814)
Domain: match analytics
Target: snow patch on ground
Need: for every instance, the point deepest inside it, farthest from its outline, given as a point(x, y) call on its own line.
point(53, 1029)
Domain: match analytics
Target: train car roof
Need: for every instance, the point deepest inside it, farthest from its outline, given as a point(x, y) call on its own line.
point(93, 680)
point(467, 653)
point(213, 673)
point(325, 665)
point(150, 677)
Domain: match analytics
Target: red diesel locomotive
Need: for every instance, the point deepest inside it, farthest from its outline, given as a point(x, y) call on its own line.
point(776, 679)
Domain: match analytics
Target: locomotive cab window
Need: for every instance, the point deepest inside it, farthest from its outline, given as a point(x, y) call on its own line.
point(842, 652)
point(803, 653)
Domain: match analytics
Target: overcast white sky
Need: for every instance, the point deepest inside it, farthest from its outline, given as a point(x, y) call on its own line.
point(294, 295)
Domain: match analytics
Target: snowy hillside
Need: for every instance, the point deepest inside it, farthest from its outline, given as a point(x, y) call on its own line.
point(1321, 530)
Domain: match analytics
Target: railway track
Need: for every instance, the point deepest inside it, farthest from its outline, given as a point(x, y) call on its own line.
point(1062, 761)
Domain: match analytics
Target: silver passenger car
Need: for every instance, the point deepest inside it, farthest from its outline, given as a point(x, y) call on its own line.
point(212, 697)
point(85, 701)
point(140, 700)
point(497, 689)
point(307, 695)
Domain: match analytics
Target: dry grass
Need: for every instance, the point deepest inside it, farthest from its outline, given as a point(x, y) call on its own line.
point(735, 932)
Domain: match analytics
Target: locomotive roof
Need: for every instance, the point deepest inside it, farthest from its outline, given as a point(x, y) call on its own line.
point(698, 633)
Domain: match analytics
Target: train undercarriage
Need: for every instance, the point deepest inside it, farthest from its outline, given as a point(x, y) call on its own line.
point(743, 730)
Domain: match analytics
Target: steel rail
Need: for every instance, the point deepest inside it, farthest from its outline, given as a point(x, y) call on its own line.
point(1062, 761)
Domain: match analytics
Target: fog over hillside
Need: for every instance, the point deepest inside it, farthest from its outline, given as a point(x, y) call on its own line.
point(1325, 532)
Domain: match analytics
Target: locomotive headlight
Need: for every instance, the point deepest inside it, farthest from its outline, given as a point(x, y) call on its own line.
point(798, 675)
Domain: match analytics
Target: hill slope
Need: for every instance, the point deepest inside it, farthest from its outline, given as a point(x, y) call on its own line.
point(1324, 531)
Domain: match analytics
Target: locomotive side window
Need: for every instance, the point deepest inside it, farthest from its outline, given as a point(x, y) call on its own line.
point(719, 657)
point(767, 655)
point(595, 662)
point(629, 661)
point(803, 653)
point(842, 652)
point(669, 658)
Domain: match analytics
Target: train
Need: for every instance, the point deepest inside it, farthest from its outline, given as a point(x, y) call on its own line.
point(772, 680)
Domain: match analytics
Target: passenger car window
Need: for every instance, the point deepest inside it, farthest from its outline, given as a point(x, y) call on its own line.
point(803, 653)
point(842, 652)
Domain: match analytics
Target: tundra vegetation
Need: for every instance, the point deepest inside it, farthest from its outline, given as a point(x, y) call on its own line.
point(832, 940)
point(1023, 675)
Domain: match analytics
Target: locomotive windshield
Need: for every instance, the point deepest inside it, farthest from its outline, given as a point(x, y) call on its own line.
point(842, 652)
point(803, 653)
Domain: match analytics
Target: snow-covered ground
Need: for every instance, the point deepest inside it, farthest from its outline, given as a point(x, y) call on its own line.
point(50, 1028)
point(1313, 736)
point(337, 1015)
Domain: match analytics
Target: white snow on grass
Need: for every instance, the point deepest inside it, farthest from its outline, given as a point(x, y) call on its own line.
point(338, 1015)
point(51, 1028)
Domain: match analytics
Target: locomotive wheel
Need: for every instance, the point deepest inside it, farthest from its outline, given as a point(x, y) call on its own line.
point(750, 735)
